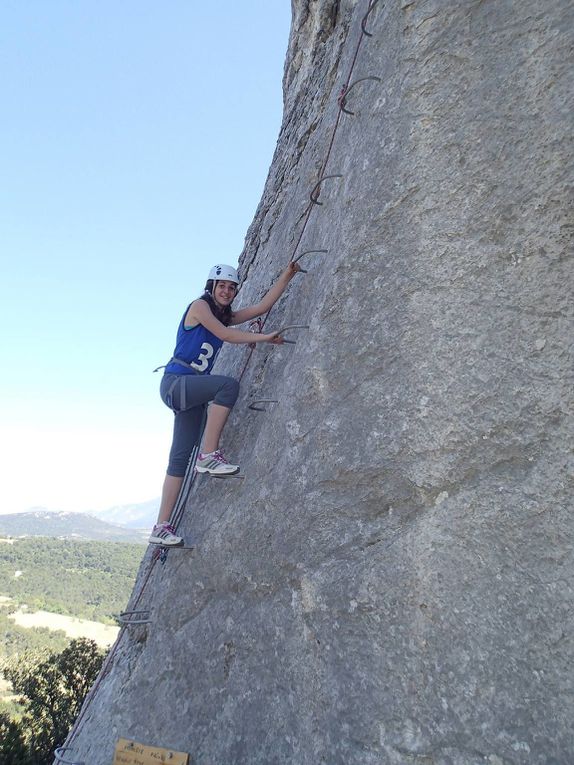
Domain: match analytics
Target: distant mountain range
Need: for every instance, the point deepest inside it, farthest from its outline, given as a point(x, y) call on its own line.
point(44, 523)
point(137, 516)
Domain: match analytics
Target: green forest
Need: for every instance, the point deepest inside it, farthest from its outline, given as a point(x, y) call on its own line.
point(50, 688)
point(91, 580)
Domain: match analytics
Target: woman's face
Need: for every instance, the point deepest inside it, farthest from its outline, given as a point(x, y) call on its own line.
point(224, 293)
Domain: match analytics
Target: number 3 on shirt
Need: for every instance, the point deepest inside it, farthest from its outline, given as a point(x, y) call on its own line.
point(205, 354)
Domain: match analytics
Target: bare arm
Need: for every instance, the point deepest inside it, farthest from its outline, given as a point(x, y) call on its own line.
point(200, 313)
point(244, 314)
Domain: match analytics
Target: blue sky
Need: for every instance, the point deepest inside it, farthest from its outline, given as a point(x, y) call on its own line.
point(136, 138)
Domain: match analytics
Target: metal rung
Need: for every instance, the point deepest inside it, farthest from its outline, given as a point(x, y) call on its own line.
point(58, 754)
point(317, 188)
point(134, 617)
point(262, 401)
point(345, 92)
point(307, 252)
point(291, 326)
point(372, 4)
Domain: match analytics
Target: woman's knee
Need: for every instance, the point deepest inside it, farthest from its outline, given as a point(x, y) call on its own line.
point(227, 393)
point(179, 458)
point(186, 435)
point(177, 468)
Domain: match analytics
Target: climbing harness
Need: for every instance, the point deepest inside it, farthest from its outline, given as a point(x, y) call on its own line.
point(178, 382)
point(161, 552)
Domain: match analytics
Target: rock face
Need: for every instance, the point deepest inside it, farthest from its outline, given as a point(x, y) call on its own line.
point(392, 581)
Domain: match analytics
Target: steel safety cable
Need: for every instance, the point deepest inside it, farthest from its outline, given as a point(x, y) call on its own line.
point(370, 6)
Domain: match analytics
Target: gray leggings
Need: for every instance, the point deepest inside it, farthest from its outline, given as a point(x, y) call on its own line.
point(188, 399)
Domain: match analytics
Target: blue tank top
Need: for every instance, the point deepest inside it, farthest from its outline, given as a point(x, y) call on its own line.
point(198, 346)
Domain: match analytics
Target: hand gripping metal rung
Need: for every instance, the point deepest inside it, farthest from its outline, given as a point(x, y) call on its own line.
point(58, 754)
point(291, 326)
point(317, 188)
point(307, 252)
point(262, 401)
point(370, 9)
point(134, 617)
point(345, 92)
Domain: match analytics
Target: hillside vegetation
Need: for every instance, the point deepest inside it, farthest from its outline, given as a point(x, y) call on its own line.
point(75, 526)
point(91, 580)
point(17, 640)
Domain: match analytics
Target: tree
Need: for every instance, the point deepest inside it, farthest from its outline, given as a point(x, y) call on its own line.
point(13, 748)
point(54, 690)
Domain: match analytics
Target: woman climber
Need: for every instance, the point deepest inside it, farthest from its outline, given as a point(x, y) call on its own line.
point(187, 385)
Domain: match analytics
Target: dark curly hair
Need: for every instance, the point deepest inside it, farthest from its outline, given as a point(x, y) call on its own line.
point(225, 314)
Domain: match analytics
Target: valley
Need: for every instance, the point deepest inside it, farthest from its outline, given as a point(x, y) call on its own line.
point(54, 590)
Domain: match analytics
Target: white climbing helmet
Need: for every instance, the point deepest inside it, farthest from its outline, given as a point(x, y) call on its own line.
point(224, 273)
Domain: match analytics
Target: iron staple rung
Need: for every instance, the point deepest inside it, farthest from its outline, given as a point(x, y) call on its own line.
point(346, 91)
point(59, 758)
point(316, 188)
point(262, 401)
point(126, 617)
point(307, 252)
point(370, 9)
point(291, 326)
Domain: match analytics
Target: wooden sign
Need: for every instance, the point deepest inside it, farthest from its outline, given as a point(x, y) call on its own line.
point(131, 753)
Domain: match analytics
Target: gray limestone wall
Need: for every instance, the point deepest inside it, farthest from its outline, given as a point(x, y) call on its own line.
point(392, 581)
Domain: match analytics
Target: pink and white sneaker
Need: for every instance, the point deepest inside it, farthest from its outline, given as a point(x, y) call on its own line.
point(164, 534)
point(215, 463)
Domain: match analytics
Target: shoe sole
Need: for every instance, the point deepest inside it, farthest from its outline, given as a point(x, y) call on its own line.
point(163, 543)
point(217, 473)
